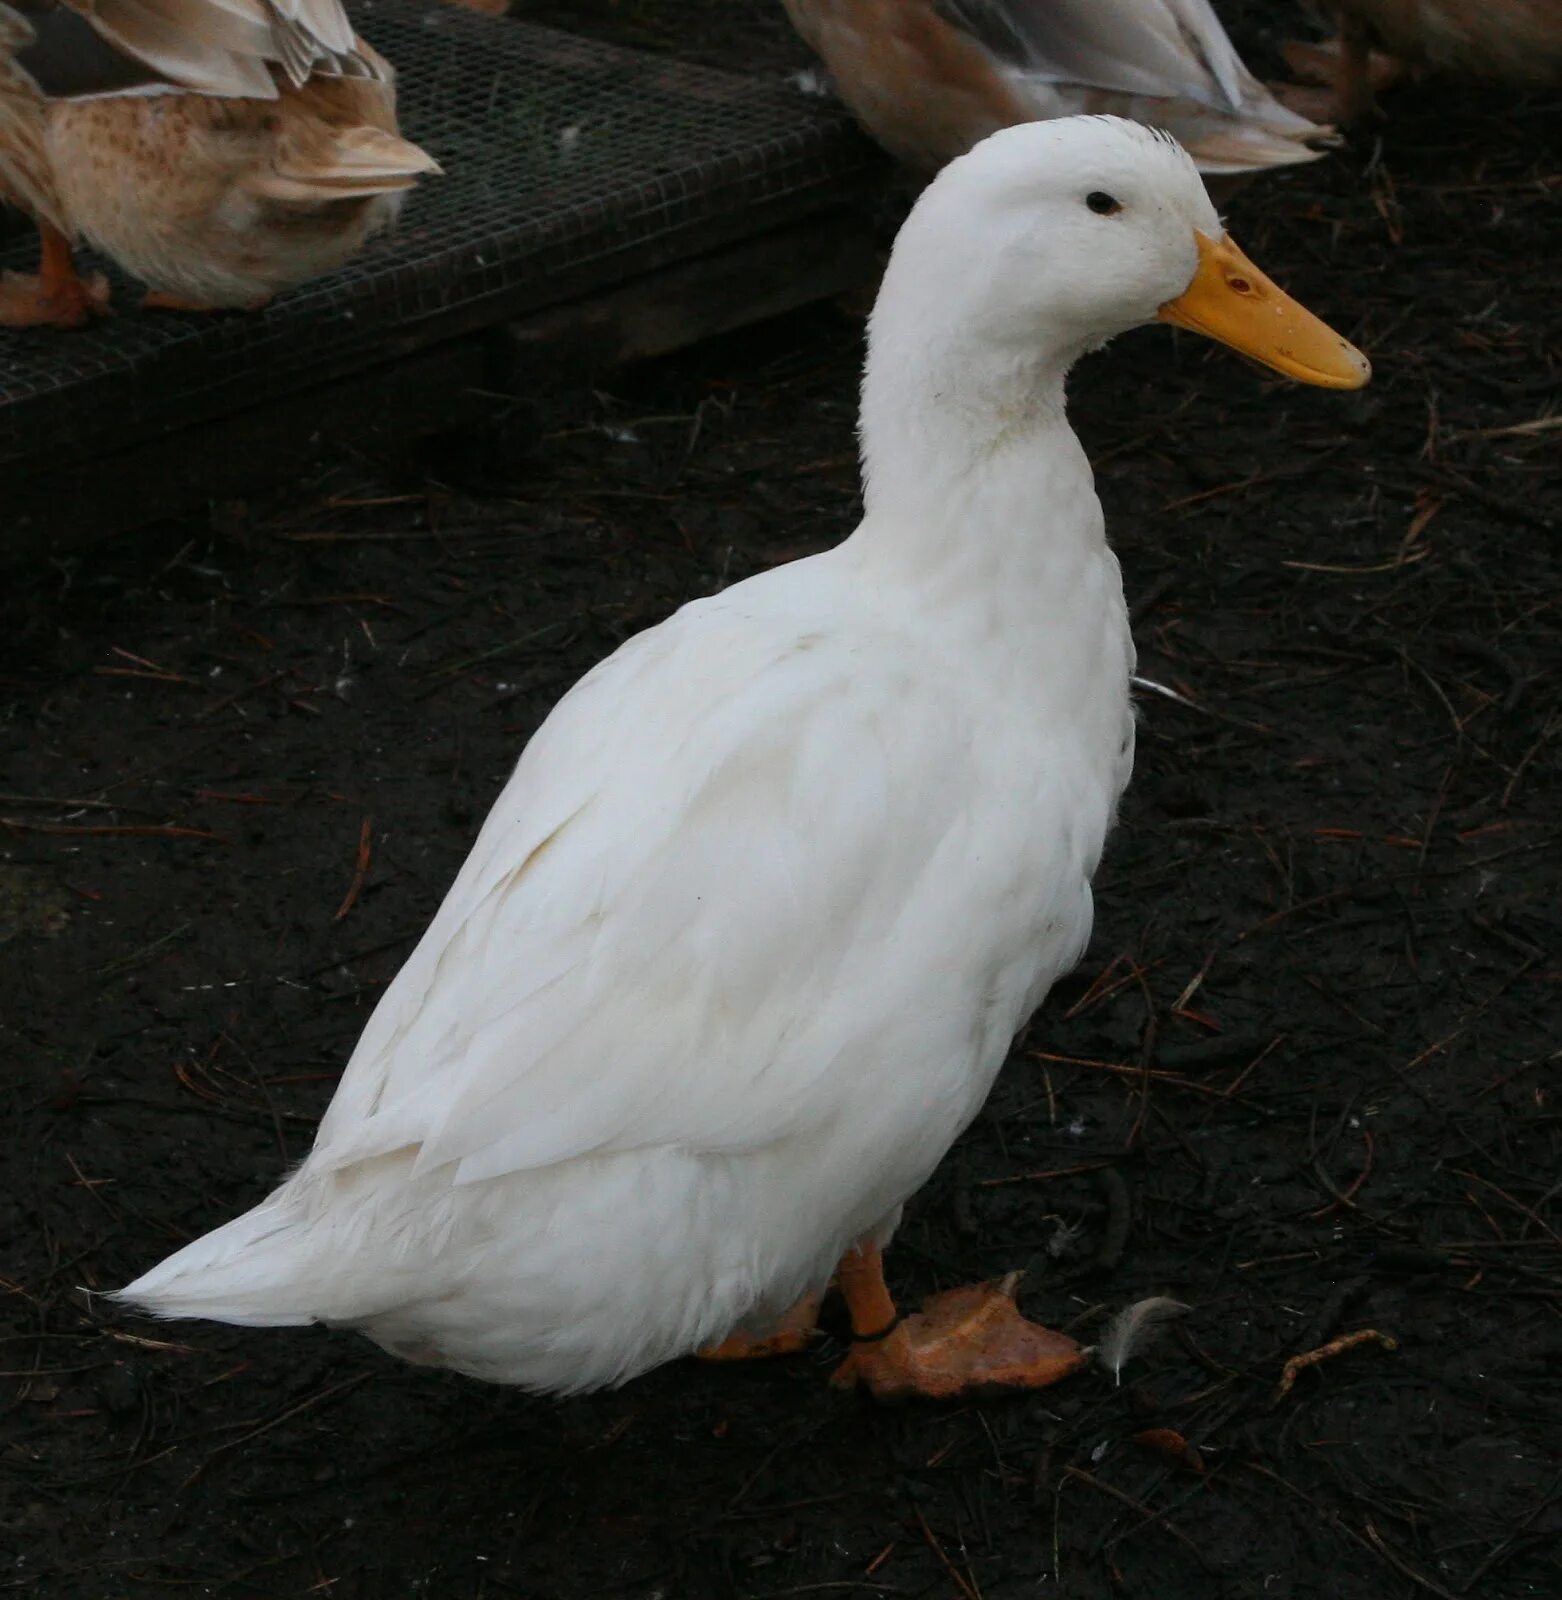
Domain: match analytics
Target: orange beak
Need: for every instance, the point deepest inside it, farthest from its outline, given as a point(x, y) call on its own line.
point(1231, 301)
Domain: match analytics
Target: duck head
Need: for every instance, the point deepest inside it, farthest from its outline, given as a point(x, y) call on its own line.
point(1050, 237)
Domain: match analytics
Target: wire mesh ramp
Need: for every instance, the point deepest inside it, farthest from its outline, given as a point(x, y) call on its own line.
point(570, 165)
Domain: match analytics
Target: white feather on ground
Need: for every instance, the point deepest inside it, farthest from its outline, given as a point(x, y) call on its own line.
point(1132, 1328)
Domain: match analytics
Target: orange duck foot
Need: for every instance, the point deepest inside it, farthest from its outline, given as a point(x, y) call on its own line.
point(36, 300)
point(56, 296)
point(793, 1333)
point(162, 300)
point(962, 1342)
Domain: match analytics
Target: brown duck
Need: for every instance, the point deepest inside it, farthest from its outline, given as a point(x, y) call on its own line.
point(218, 150)
point(928, 79)
point(1517, 42)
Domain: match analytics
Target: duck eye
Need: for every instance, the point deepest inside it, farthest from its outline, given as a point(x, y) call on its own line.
point(1103, 204)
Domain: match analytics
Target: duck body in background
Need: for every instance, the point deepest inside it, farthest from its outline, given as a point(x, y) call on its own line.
point(1514, 42)
point(221, 151)
point(929, 78)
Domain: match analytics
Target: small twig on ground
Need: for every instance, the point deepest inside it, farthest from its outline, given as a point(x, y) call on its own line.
point(110, 830)
point(1346, 1341)
point(330, 1392)
point(1345, 1197)
point(360, 870)
point(1470, 1016)
point(1039, 1177)
point(1149, 1515)
point(1518, 1205)
point(1399, 1564)
point(962, 1582)
point(1123, 1069)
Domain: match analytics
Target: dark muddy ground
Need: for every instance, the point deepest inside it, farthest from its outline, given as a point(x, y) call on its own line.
point(1305, 1078)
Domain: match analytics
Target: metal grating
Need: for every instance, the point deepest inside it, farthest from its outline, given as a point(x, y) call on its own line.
point(569, 165)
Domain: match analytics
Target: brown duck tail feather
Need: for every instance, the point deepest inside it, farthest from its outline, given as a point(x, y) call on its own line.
point(352, 162)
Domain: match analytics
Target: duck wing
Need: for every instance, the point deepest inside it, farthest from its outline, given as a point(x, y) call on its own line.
point(336, 149)
point(1149, 47)
point(708, 892)
point(1172, 53)
point(232, 48)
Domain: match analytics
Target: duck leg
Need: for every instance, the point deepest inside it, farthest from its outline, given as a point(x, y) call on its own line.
point(794, 1332)
point(56, 296)
point(961, 1342)
point(1354, 84)
point(1351, 74)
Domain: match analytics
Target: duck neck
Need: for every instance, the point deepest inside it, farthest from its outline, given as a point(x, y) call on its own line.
point(973, 480)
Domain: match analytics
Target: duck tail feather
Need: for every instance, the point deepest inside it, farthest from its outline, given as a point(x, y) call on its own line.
point(1231, 147)
point(354, 162)
point(245, 1272)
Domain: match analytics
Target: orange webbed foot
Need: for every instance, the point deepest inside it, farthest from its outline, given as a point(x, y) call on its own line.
point(793, 1333)
point(31, 300)
point(962, 1342)
point(56, 296)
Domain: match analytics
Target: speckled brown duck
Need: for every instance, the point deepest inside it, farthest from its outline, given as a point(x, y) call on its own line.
point(1516, 42)
point(221, 151)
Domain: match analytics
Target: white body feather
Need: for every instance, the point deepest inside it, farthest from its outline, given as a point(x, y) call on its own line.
point(747, 935)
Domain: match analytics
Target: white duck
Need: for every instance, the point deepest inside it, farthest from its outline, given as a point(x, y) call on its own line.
point(745, 939)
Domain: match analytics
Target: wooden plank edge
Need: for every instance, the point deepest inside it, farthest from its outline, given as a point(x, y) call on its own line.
point(437, 389)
